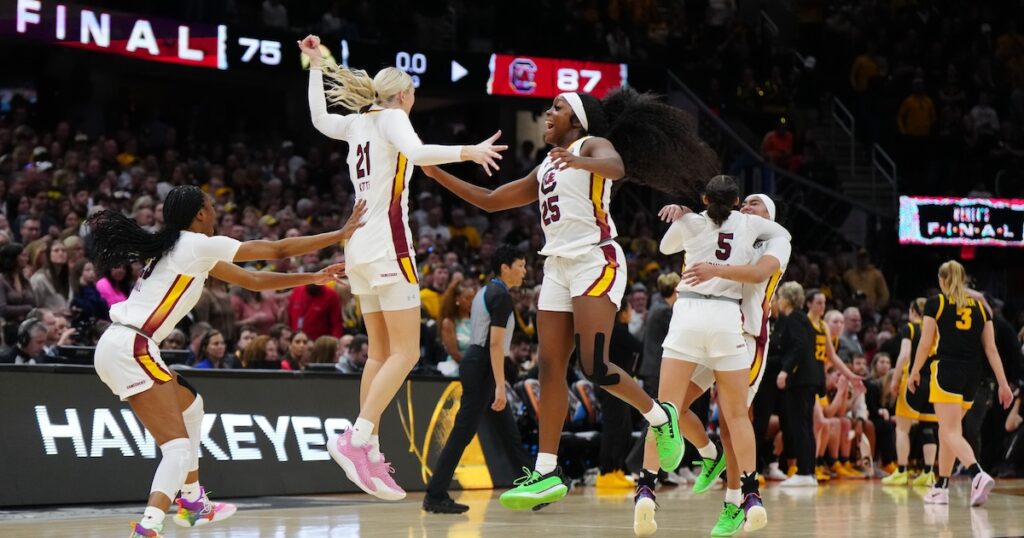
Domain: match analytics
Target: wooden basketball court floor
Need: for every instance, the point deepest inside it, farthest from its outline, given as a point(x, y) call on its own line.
point(837, 510)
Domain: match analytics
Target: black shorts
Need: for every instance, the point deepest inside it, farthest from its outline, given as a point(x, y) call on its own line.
point(915, 405)
point(954, 381)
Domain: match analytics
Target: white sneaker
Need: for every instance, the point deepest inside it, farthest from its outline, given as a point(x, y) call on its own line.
point(799, 480)
point(774, 473)
point(685, 476)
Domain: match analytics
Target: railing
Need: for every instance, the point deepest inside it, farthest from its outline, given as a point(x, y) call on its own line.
point(848, 123)
point(815, 205)
point(878, 158)
point(769, 24)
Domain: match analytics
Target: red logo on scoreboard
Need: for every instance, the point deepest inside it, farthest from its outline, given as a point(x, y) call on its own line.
point(548, 77)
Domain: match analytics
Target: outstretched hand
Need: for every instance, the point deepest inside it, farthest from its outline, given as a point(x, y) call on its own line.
point(310, 46)
point(331, 273)
point(484, 153)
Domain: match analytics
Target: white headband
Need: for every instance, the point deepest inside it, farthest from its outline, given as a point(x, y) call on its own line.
point(769, 204)
point(576, 104)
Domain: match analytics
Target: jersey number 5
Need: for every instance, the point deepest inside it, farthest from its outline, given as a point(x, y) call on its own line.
point(549, 210)
point(964, 323)
point(724, 248)
point(363, 164)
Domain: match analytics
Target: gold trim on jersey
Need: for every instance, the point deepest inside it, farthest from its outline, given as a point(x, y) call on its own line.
point(397, 221)
point(167, 304)
point(759, 348)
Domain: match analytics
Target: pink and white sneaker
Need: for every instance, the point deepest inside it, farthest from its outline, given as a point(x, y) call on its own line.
point(201, 512)
point(937, 495)
point(387, 488)
point(355, 461)
point(981, 486)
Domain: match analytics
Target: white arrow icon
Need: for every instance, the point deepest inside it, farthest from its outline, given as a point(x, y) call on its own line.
point(458, 71)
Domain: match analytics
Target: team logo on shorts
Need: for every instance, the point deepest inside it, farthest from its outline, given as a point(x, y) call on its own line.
point(521, 75)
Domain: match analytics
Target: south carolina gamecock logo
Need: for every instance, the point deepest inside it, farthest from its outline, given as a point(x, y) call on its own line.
point(521, 74)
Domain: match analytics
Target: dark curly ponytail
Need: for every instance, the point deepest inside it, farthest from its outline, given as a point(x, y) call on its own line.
point(657, 142)
point(119, 240)
point(722, 193)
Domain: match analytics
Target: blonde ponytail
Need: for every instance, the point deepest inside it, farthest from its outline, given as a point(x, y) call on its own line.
point(953, 278)
point(355, 90)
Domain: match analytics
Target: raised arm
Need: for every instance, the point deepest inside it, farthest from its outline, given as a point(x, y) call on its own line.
point(297, 246)
point(396, 127)
point(332, 125)
point(598, 157)
point(678, 234)
point(516, 193)
point(262, 280)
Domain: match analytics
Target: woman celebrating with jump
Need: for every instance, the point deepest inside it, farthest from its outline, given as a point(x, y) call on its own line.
point(382, 150)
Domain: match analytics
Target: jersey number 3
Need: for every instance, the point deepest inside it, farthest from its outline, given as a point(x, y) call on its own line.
point(363, 164)
point(964, 323)
point(724, 248)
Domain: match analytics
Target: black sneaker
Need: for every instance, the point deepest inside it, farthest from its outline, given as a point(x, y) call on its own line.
point(443, 506)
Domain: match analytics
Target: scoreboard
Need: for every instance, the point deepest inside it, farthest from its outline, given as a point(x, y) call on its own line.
point(228, 49)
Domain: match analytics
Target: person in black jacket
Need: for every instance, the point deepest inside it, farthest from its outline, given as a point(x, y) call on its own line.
point(984, 398)
point(802, 377)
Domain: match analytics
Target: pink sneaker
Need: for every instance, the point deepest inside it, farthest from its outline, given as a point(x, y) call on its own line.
point(387, 488)
point(981, 486)
point(355, 461)
point(937, 496)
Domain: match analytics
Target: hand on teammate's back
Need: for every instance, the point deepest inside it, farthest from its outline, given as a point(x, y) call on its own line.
point(310, 46)
point(672, 213)
point(483, 153)
point(355, 220)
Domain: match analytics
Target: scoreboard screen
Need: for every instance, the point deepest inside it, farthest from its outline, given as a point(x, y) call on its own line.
point(981, 222)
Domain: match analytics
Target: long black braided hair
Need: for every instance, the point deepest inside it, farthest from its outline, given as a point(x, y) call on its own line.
point(722, 193)
point(117, 239)
point(659, 148)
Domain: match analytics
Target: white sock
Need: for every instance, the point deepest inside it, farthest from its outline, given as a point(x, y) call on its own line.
point(656, 416)
point(152, 518)
point(191, 492)
point(375, 448)
point(708, 452)
point(361, 432)
point(773, 465)
point(546, 463)
point(733, 496)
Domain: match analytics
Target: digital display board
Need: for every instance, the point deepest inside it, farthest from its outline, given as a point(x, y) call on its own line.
point(531, 76)
point(982, 222)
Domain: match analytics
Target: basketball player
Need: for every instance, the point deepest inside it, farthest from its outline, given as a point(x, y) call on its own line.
point(707, 326)
point(960, 329)
point(585, 270)
point(913, 406)
point(179, 259)
point(759, 279)
point(382, 150)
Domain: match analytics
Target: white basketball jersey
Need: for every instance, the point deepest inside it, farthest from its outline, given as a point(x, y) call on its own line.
point(732, 243)
point(757, 298)
point(380, 175)
point(573, 208)
point(171, 287)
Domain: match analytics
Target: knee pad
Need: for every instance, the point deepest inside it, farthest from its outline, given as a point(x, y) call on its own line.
point(928, 435)
point(193, 417)
point(599, 368)
point(174, 462)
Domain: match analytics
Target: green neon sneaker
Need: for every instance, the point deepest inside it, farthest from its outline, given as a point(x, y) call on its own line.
point(534, 489)
point(710, 470)
point(730, 521)
point(668, 439)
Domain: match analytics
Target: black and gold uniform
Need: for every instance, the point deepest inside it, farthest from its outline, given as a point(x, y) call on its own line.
point(820, 350)
point(959, 351)
point(915, 405)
